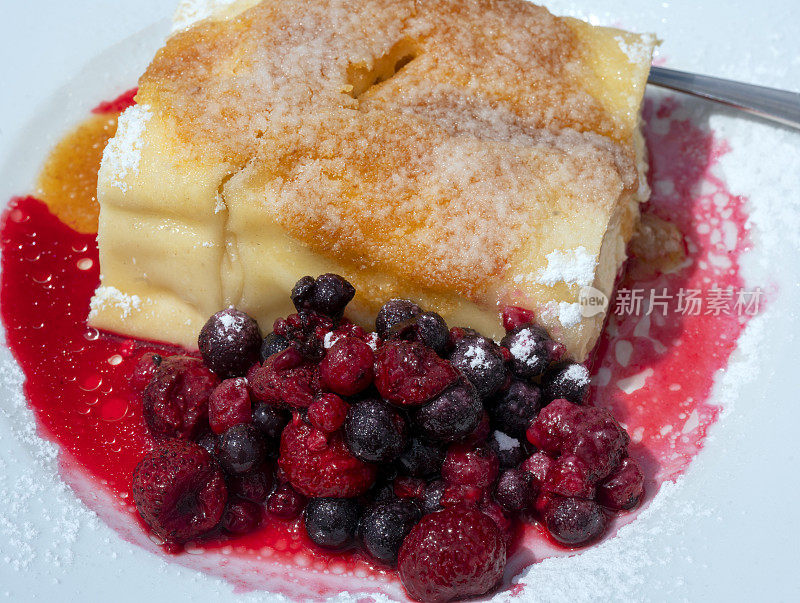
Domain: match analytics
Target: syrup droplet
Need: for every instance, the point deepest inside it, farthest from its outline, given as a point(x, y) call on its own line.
point(113, 409)
point(90, 383)
point(18, 216)
point(84, 264)
point(115, 360)
point(91, 334)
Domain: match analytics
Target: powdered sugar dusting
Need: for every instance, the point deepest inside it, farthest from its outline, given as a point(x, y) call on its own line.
point(111, 297)
point(638, 49)
point(123, 152)
point(577, 373)
point(505, 442)
point(572, 266)
point(477, 357)
point(569, 314)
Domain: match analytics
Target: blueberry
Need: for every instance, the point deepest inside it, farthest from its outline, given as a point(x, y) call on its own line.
point(513, 412)
point(451, 415)
point(374, 431)
point(432, 497)
point(272, 344)
point(384, 526)
point(331, 522)
point(513, 491)
point(481, 361)
point(421, 459)
point(230, 343)
point(510, 451)
point(331, 295)
point(531, 350)
point(302, 293)
point(574, 521)
point(428, 328)
point(241, 448)
point(270, 420)
point(394, 312)
point(569, 381)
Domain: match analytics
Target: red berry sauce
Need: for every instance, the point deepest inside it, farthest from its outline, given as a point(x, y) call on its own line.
point(655, 374)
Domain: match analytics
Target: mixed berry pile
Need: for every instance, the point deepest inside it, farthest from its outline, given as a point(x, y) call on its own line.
point(424, 445)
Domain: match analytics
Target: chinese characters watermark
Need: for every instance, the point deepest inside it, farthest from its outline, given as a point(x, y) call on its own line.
point(688, 302)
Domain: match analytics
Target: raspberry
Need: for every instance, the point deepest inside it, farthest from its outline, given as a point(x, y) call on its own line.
point(374, 431)
point(285, 502)
point(589, 433)
point(347, 367)
point(272, 344)
point(623, 489)
point(409, 374)
point(452, 415)
point(230, 342)
point(328, 412)
point(427, 328)
point(453, 554)
point(531, 349)
point(513, 491)
point(538, 464)
point(480, 360)
point(457, 495)
point(329, 470)
point(514, 317)
point(574, 521)
point(242, 517)
point(331, 522)
point(501, 519)
point(384, 526)
point(568, 476)
point(229, 405)
point(286, 379)
point(392, 313)
point(569, 381)
point(179, 491)
point(513, 411)
point(175, 402)
point(144, 370)
point(470, 466)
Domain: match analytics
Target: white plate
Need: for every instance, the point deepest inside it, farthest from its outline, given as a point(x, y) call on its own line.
point(730, 528)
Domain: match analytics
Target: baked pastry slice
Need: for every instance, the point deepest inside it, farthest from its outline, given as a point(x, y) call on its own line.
point(468, 154)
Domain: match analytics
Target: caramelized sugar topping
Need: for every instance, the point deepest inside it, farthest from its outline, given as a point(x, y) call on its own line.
point(429, 139)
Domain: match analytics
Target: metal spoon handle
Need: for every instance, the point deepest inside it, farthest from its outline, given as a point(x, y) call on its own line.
point(781, 106)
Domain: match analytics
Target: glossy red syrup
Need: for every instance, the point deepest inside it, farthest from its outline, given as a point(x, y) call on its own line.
point(656, 374)
point(119, 104)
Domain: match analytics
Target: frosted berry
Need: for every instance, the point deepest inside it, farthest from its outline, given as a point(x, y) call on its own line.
point(622, 489)
point(255, 485)
point(331, 522)
point(286, 379)
point(510, 451)
point(513, 491)
point(272, 344)
point(270, 420)
point(470, 466)
point(144, 370)
point(347, 367)
point(230, 342)
point(392, 313)
point(175, 402)
point(481, 361)
point(179, 490)
point(427, 328)
point(574, 521)
point(328, 412)
point(410, 374)
point(531, 349)
point(568, 381)
point(453, 554)
point(229, 405)
point(241, 448)
point(451, 415)
point(514, 410)
point(431, 500)
point(374, 431)
point(384, 526)
point(568, 476)
point(421, 458)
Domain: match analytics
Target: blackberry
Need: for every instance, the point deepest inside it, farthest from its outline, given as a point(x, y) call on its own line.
point(531, 350)
point(421, 458)
point(481, 361)
point(241, 448)
point(331, 522)
point(394, 312)
point(451, 415)
point(569, 381)
point(272, 344)
point(374, 431)
point(514, 411)
point(384, 526)
point(230, 343)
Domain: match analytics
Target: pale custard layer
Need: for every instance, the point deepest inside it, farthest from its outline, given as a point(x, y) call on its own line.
point(468, 154)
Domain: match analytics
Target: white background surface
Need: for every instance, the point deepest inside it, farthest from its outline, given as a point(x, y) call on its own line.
point(729, 532)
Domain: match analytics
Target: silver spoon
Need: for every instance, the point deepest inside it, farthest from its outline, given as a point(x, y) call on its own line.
point(780, 106)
